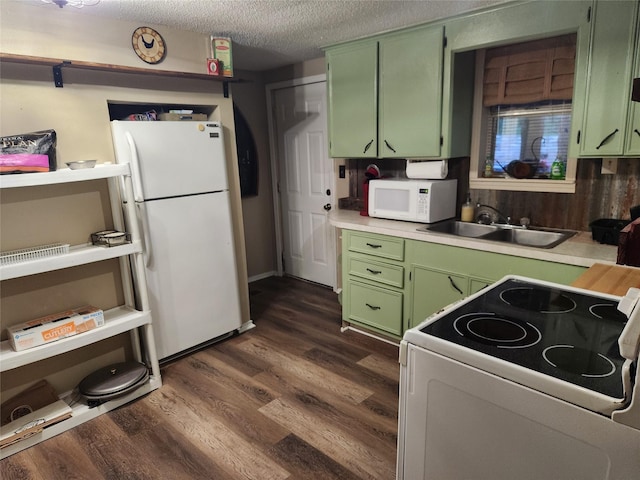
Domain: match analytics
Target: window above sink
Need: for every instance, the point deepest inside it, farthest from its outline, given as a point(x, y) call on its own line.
point(523, 141)
point(522, 117)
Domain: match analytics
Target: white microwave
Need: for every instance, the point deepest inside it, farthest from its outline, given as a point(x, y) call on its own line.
point(424, 201)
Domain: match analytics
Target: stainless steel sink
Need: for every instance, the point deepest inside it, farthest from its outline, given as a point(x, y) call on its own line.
point(529, 237)
point(460, 229)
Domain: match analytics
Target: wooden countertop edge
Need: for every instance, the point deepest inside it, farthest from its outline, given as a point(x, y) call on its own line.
point(611, 279)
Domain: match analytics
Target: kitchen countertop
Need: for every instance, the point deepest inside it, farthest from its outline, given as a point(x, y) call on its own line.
point(612, 279)
point(579, 250)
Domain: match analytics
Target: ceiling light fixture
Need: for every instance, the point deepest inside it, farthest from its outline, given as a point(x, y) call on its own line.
point(73, 3)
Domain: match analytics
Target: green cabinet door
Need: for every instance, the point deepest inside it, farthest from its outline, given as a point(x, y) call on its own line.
point(441, 274)
point(633, 127)
point(432, 290)
point(411, 93)
point(352, 77)
point(609, 81)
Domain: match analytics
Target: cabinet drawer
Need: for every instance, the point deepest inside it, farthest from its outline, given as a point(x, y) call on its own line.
point(376, 307)
point(378, 245)
point(377, 271)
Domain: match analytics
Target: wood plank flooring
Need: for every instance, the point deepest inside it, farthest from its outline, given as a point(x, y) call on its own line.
point(294, 398)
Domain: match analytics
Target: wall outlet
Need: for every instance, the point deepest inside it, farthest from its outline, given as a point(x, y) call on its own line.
point(609, 166)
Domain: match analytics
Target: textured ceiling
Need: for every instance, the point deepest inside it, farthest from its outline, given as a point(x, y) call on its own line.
point(272, 33)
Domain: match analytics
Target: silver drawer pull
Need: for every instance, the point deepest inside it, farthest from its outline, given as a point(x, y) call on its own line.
point(373, 245)
point(372, 307)
point(375, 272)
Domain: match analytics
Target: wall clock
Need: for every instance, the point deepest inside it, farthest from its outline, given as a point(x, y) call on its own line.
point(148, 44)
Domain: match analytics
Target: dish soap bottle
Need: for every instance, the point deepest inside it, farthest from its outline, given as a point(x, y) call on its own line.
point(557, 169)
point(466, 214)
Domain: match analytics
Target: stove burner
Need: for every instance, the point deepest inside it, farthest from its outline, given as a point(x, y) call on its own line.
point(538, 300)
point(502, 332)
point(608, 311)
point(579, 361)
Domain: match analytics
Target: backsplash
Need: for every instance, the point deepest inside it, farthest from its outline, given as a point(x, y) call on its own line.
point(597, 195)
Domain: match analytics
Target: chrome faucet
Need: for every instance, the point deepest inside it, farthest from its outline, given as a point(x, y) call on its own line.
point(497, 217)
point(488, 218)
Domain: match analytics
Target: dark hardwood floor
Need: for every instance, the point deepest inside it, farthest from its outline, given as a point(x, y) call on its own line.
point(293, 398)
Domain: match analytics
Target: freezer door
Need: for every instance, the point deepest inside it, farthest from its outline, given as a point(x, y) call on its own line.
point(191, 272)
point(169, 159)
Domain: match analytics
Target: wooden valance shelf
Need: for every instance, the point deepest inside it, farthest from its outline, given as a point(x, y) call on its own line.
point(59, 64)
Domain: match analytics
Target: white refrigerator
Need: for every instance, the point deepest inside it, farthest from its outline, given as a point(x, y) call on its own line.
point(181, 190)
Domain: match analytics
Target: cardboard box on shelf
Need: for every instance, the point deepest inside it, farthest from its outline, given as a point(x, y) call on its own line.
point(175, 117)
point(54, 327)
point(221, 50)
point(34, 423)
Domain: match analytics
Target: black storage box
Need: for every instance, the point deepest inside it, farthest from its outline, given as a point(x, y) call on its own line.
point(607, 230)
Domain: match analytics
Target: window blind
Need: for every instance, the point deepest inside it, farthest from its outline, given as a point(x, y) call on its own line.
point(530, 72)
point(534, 134)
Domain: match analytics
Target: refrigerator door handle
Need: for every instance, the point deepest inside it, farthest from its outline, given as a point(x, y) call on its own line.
point(135, 168)
point(146, 236)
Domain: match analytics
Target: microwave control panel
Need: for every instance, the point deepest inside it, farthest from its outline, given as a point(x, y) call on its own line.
point(423, 202)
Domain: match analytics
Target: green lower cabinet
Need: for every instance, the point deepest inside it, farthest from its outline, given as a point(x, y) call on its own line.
point(363, 266)
point(441, 275)
point(476, 284)
point(433, 289)
point(373, 282)
point(391, 284)
point(376, 307)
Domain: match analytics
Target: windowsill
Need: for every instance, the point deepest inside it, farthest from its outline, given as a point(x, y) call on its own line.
point(523, 185)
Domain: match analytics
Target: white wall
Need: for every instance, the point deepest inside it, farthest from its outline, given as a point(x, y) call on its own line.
point(79, 114)
point(45, 30)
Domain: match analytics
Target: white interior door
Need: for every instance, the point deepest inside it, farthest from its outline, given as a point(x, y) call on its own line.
point(305, 183)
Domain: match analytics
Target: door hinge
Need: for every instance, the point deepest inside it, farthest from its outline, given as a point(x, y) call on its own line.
point(441, 140)
point(410, 276)
point(589, 15)
point(444, 44)
point(283, 268)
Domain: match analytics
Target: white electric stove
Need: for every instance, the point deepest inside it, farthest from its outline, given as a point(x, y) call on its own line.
point(523, 380)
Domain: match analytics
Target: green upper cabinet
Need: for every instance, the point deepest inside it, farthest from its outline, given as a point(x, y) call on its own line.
point(410, 93)
point(516, 22)
point(352, 82)
point(633, 129)
point(385, 97)
point(609, 115)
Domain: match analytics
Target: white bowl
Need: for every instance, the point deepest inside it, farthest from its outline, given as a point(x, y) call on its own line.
point(78, 164)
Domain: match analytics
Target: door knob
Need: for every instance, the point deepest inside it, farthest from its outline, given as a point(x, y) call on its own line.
point(327, 207)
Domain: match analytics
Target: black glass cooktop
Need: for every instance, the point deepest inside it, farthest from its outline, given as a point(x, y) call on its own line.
point(564, 334)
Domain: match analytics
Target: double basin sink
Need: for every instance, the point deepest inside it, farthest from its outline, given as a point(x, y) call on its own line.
point(511, 234)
